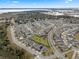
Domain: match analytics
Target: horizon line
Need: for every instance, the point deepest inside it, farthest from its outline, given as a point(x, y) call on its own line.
point(35, 8)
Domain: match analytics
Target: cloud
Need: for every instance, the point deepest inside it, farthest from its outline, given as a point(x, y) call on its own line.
point(67, 1)
point(15, 1)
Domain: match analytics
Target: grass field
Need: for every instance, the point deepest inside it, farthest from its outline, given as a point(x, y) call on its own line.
point(41, 40)
point(69, 54)
point(76, 36)
point(48, 52)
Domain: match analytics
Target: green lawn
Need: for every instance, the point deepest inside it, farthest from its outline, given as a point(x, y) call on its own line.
point(76, 36)
point(69, 54)
point(48, 52)
point(41, 40)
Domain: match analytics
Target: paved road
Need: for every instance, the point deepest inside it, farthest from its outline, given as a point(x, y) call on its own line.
point(18, 43)
point(21, 44)
point(56, 52)
point(51, 42)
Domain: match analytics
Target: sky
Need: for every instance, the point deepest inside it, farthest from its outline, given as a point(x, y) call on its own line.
point(39, 3)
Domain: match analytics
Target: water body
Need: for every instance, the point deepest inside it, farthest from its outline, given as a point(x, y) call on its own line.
point(4, 10)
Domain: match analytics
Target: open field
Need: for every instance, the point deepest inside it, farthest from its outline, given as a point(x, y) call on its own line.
point(48, 52)
point(69, 54)
point(41, 40)
point(44, 41)
point(76, 36)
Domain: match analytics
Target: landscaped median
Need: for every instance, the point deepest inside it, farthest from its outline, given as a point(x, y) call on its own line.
point(44, 41)
point(69, 54)
point(41, 40)
point(48, 52)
